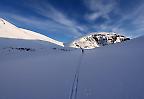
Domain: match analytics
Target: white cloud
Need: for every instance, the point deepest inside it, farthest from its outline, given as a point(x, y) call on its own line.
point(99, 8)
point(57, 21)
point(54, 21)
point(136, 22)
point(130, 24)
point(57, 16)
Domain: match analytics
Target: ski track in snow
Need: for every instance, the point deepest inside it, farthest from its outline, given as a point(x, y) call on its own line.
point(74, 89)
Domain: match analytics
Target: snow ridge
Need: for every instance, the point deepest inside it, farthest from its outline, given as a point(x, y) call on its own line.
point(8, 30)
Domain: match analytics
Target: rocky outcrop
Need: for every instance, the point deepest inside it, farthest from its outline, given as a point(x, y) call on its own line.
point(94, 40)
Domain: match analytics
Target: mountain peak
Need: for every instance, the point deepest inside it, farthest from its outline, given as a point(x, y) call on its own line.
point(98, 39)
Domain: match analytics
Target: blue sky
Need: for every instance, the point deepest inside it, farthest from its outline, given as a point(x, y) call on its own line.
point(65, 20)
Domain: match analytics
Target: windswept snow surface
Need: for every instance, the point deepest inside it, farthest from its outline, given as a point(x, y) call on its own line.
point(110, 72)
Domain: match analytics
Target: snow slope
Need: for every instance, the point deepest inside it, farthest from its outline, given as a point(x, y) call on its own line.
point(108, 72)
point(8, 30)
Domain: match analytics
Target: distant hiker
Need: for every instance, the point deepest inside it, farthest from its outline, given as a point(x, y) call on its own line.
point(82, 50)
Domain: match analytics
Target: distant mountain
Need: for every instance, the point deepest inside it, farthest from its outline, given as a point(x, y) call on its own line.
point(8, 30)
point(94, 40)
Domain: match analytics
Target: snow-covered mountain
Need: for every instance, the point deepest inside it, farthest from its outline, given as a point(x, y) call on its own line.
point(8, 30)
point(93, 40)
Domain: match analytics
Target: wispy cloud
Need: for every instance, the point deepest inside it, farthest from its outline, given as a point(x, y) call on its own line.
point(98, 15)
point(54, 21)
point(130, 24)
point(99, 8)
point(58, 16)
point(134, 21)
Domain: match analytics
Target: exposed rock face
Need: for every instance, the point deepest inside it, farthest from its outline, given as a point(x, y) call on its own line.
point(94, 40)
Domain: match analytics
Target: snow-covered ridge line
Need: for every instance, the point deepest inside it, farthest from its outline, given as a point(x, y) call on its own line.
point(8, 30)
point(39, 36)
